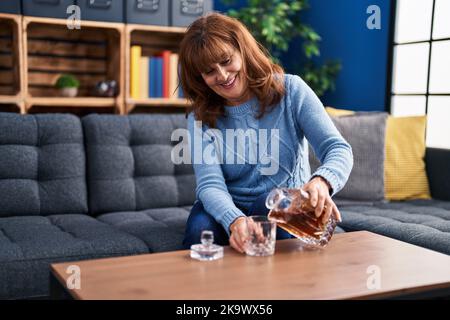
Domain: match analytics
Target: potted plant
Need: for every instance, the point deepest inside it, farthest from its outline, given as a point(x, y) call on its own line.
point(68, 85)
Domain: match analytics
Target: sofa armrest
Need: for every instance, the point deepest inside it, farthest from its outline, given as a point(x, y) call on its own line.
point(438, 172)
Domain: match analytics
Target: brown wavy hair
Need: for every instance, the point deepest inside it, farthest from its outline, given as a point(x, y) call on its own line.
point(206, 42)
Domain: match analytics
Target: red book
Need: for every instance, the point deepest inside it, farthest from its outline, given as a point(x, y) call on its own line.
point(166, 73)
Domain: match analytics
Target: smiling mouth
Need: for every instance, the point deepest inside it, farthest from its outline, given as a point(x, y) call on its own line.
point(230, 83)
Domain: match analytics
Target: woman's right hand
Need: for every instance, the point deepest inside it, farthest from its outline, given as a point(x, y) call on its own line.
point(239, 234)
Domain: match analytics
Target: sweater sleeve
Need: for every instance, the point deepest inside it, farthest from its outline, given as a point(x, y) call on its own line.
point(211, 188)
point(335, 154)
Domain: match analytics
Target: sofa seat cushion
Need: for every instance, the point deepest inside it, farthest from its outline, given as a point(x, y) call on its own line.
point(425, 223)
point(29, 244)
point(161, 229)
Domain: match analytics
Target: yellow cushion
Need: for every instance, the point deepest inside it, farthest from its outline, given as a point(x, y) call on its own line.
point(338, 112)
point(404, 166)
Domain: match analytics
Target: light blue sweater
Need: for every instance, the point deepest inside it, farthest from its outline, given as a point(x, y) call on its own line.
point(221, 184)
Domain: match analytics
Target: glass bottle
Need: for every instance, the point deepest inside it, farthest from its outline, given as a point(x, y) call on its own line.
point(292, 210)
point(206, 250)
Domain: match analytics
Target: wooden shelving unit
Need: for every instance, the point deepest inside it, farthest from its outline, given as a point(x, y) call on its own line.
point(152, 39)
point(34, 51)
point(93, 53)
point(11, 60)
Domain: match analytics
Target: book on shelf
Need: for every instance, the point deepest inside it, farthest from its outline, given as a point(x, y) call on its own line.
point(135, 68)
point(144, 77)
point(173, 76)
point(154, 76)
point(165, 72)
point(180, 93)
point(158, 74)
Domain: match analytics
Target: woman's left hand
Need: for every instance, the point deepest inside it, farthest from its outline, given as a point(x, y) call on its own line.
point(319, 191)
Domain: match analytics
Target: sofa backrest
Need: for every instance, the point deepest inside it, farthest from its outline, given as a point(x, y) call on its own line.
point(438, 172)
point(129, 163)
point(42, 165)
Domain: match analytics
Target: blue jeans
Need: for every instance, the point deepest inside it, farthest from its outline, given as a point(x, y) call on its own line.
point(200, 220)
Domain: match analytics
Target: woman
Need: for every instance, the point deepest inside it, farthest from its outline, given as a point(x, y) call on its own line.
point(237, 92)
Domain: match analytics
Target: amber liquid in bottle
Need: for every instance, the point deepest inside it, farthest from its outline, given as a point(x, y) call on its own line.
point(299, 219)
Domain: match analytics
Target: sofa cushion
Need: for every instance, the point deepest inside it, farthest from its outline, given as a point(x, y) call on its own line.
point(425, 223)
point(29, 244)
point(130, 166)
point(366, 134)
point(160, 229)
point(42, 167)
point(404, 167)
point(405, 173)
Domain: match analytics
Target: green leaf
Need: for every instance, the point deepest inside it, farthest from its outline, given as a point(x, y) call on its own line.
point(67, 81)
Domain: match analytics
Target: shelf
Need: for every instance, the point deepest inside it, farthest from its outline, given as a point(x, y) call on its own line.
point(10, 16)
point(152, 39)
point(10, 99)
point(83, 24)
point(93, 53)
point(158, 102)
point(43, 48)
point(16, 101)
point(151, 28)
point(76, 102)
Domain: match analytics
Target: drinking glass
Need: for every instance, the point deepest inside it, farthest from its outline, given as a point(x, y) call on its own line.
point(261, 236)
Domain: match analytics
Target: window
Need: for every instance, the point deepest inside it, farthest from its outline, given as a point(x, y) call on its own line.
point(421, 66)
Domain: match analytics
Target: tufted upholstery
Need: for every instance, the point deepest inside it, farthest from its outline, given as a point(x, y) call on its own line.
point(161, 229)
point(44, 213)
point(425, 223)
point(42, 167)
point(129, 163)
point(29, 244)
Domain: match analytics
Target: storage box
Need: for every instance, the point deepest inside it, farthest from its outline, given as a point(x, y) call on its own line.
point(102, 10)
point(153, 12)
point(184, 12)
point(10, 6)
point(47, 8)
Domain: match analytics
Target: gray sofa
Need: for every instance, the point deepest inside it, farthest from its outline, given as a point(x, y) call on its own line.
point(105, 186)
point(425, 223)
point(73, 190)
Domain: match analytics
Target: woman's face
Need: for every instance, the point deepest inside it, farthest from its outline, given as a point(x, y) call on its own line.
point(226, 78)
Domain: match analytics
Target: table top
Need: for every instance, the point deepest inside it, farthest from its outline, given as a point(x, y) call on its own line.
point(354, 265)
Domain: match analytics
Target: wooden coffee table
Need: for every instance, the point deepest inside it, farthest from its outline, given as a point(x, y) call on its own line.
point(356, 265)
